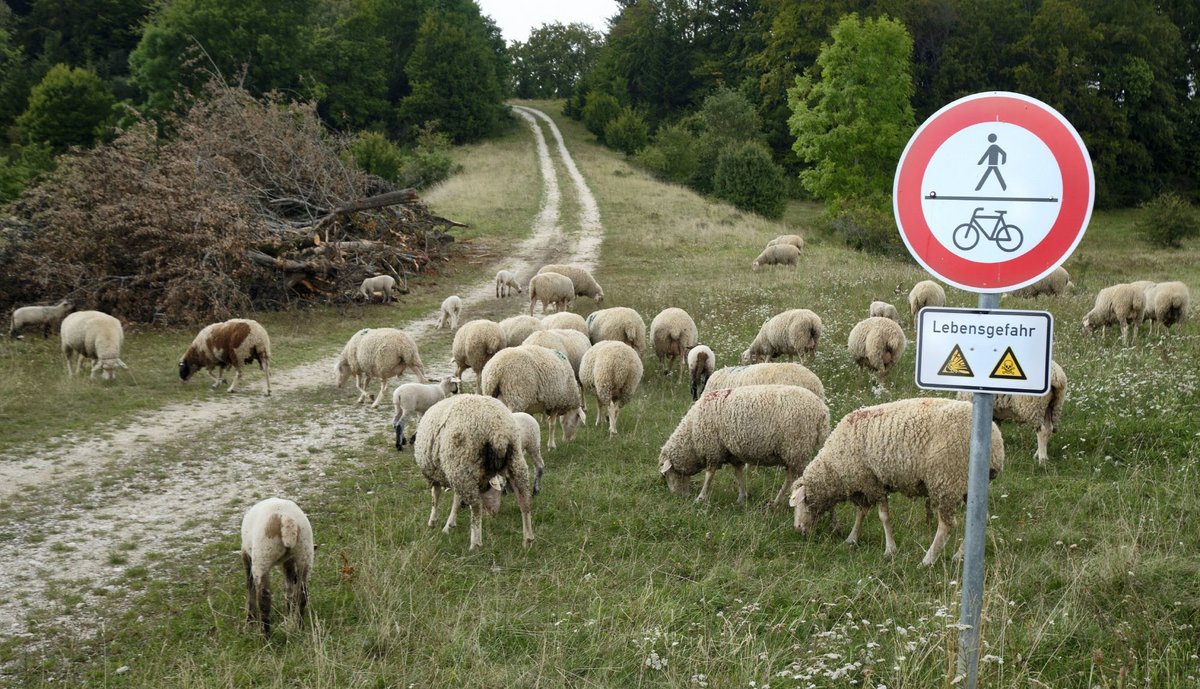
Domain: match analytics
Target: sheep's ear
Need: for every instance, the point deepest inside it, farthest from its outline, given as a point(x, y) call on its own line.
point(797, 496)
point(664, 466)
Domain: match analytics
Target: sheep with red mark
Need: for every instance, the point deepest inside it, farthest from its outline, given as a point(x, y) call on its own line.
point(232, 343)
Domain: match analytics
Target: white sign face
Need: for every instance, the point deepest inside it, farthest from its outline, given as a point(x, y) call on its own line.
point(984, 350)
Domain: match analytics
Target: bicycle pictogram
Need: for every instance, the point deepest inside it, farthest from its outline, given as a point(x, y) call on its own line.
point(1007, 237)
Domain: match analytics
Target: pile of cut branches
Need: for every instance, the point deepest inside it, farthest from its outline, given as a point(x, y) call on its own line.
point(246, 205)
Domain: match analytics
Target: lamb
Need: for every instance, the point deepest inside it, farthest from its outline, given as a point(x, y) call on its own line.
point(416, 399)
point(45, 316)
point(917, 447)
point(1058, 282)
point(673, 333)
point(1166, 304)
point(765, 425)
point(463, 443)
point(383, 353)
point(517, 328)
point(96, 336)
point(1040, 412)
point(380, 283)
point(793, 239)
point(234, 342)
point(776, 373)
point(552, 289)
point(1121, 304)
point(276, 532)
point(531, 445)
point(777, 255)
point(876, 344)
point(618, 323)
point(611, 371)
point(791, 333)
point(884, 310)
point(530, 378)
point(506, 282)
point(565, 320)
point(475, 344)
point(701, 362)
point(925, 293)
point(451, 309)
point(584, 284)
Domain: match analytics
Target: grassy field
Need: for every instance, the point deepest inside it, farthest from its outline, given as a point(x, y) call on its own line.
point(1093, 578)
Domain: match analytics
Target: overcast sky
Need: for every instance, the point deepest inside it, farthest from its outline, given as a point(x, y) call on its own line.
point(516, 18)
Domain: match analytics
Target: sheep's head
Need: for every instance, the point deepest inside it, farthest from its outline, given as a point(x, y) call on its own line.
point(599, 296)
point(571, 422)
point(679, 482)
point(341, 371)
point(451, 385)
point(805, 516)
point(747, 357)
point(490, 497)
point(754, 265)
point(1087, 323)
point(185, 369)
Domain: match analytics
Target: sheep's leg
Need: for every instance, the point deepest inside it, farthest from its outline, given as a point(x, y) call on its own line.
point(889, 539)
point(266, 368)
point(382, 386)
point(518, 478)
point(1043, 440)
point(67, 356)
point(788, 477)
point(420, 373)
point(452, 520)
point(362, 384)
point(251, 593)
point(550, 419)
point(939, 539)
point(289, 580)
point(436, 492)
point(264, 602)
point(613, 410)
point(476, 526)
point(709, 473)
point(237, 377)
point(217, 380)
point(739, 474)
point(859, 516)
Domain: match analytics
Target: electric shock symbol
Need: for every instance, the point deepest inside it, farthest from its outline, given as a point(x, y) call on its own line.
point(956, 365)
point(1008, 367)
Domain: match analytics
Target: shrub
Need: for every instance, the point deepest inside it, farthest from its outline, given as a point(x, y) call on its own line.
point(374, 153)
point(866, 224)
point(1168, 220)
point(69, 107)
point(627, 132)
point(747, 177)
point(674, 155)
point(429, 162)
point(17, 173)
point(598, 110)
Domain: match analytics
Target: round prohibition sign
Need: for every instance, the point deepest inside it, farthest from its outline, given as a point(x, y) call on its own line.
point(993, 192)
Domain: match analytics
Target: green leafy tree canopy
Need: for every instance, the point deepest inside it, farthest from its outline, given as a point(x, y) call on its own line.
point(69, 107)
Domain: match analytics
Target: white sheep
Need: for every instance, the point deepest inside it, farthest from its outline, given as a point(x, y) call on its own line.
point(777, 255)
point(517, 328)
point(343, 368)
point(552, 289)
point(673, 333)
point(1166, 304)
point(530, 378)
point(463, 443)
point(1057, 283)
point(876, 344)
point(92, 335)
point(581, 279)
point(793, 239)
point(506, 282)
point(570, 342)
point(45, 316)
point(618, 323)
point(414, 399)
point(232, 343)
point(795, 332)
point(383, 284)
point(565, 320)
point(451, 310)
point(1039, 412)
point(1122, 304)
point(611, 371)
point(916, 447)
point(384, 353)
point(475, 343)
point(773, 373)
point(531, 445)
point(764, 425)
point(925, 293)
point(701, 363)
point(276, 532)
point(883, 309)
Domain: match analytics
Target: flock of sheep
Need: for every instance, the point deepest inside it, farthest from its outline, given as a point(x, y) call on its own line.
point(763, 412)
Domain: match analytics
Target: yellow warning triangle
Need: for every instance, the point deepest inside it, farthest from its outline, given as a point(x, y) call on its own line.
point(956, 365)
point(1008, 367)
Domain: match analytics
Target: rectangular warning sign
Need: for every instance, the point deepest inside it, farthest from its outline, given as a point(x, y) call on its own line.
point(984, 350)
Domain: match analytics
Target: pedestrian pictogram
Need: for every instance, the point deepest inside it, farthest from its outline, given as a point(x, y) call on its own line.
point(956, 365)
point(995, 156)
point(1008, 367)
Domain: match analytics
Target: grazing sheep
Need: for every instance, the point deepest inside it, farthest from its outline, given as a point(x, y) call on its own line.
point(1121, 304)
point(775, 373)
point(884, 310)
point(1057, 283)
point(416, 399)
point(530, 378)
point(876, 344)
point(380, 283)
point(383, 353)
point(234, 342)
point(344, 367)
point(916, 447)
point(673, 333)
point(618, 323)
point(791, 333)
point(764, 425)
point(1166, 304)
point(506, 282)
point(276, 532)
point(777, 255)
point(925, 293)
point(463, 443)
point(611, 371)
point(584, 284)
point(565, 320)
point(517, 328)
point(570, 342)
point(793, 239)
point(96, 336)
point(45, 316)
point(451, 310)
point(551, 289)
point(701, 362)
point(1039, 412)
point(475, 344)
point(531, 445)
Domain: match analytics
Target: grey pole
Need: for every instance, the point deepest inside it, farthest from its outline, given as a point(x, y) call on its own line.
point(976, 524)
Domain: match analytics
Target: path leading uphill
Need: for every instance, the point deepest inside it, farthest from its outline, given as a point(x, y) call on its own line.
point(171, 479)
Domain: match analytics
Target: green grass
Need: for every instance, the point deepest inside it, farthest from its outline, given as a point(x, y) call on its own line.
point(1092, 568)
